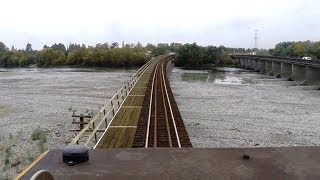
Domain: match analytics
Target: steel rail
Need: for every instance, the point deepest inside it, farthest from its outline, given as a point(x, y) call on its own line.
point(153, 92)
point(165, 108)
point(145, 68)
point(171, 112)
point(150, 106)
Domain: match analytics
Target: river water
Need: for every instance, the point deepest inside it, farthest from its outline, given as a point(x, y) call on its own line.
point(238, 108)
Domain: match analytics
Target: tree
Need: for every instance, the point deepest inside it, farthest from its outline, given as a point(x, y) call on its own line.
point(3, 51)
point(76, 57)
point(73, 47)
point(12, 48)
point(28, 47)
point(298, 49)
point(51, 57)
point(102, 46)
point(114, 45)
point(59, 46)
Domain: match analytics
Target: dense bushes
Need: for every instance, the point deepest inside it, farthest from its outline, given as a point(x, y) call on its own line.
point(75, 55)
point(104, 55)
point(297, 49)
point(193, 56)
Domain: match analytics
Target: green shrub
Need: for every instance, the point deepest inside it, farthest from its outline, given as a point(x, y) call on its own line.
point(39, 134)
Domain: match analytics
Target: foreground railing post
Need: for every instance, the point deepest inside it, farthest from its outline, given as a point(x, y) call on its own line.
point(81, 121)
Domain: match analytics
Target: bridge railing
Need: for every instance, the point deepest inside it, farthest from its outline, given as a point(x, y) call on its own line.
point(278, 58)
point(109, 109)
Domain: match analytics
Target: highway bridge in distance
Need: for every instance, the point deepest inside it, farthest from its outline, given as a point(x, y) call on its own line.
point(293, 68)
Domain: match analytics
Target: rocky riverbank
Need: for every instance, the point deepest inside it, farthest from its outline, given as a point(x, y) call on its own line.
point(36, 107)
point(246, 109)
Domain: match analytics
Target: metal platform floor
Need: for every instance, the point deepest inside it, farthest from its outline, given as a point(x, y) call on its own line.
point(187, 163)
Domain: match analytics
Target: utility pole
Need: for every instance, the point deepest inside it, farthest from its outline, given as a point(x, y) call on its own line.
point(256, 40)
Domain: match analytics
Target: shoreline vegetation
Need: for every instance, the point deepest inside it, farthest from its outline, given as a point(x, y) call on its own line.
point(188, 56)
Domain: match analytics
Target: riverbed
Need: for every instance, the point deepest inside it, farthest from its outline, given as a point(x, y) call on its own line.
point(45, 99)
point(221, 108)
point(238, 108)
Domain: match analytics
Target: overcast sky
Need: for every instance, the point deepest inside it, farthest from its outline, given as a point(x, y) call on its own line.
point(216, 22)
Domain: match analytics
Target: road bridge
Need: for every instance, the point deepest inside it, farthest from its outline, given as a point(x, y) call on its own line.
point(293, 68)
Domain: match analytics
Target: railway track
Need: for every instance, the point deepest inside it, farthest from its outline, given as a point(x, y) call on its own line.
point(160, 123)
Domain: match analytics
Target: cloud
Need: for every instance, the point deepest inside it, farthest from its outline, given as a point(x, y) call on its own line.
point(228, 22)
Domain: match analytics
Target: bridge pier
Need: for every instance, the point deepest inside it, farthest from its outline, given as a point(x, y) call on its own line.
point(248, 64)
point(268, 67)
point(255, 64)
point(286, 69)
point(276, 68)
point(261, 65)
point(283, 67)
point(242, 63)
point(245, 63)
point(313, 74)
point(298, 72)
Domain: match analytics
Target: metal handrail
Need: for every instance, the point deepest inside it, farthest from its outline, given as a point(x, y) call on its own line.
point(104, 108)
point(278, 58)
point(139, 72)
point(122, 103)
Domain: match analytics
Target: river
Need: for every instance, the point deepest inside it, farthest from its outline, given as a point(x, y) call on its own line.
point(238, 108)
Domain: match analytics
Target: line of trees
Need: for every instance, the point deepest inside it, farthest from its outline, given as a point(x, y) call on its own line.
point(297, 49)
point(193, 56)
point(111, 55)
point(102, 55)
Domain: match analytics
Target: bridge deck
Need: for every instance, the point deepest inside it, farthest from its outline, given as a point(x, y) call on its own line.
point(122, 129)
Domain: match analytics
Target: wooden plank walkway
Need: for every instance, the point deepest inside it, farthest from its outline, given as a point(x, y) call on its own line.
point(121, 131)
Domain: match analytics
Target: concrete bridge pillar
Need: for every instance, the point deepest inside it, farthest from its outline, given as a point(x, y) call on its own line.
point(242, 63)
point(248, 63)
point(299, 72)
point(255, 64)
point(313, 75)
point(276, 68)
point(261, 65)
point(286, 69)
point(268, 66)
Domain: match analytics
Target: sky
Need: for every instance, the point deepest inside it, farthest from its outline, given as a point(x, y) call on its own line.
point(208, 22)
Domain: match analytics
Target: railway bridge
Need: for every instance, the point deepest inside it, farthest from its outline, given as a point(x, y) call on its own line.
point(293, 68)
point(139, 134)
point(143, 113)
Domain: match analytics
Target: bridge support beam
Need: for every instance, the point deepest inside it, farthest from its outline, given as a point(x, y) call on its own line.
point(286, 69)
point(268, 67)
point(261, 65)
point(299, 72)
point(276, 68)
point(313, 75)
